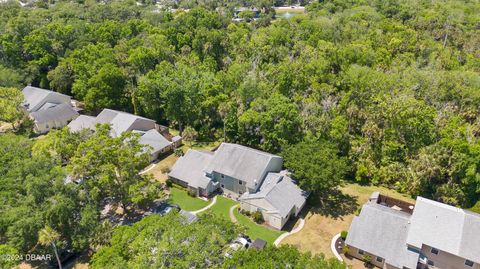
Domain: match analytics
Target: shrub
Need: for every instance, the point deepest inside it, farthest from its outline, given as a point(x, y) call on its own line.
point(192, 193)
point(244, 212)
point(169, 183)
point(165, 170)
point(257, 217)
point(178, 152)
point(346, 250)
point(357, 212)
point(343, 235)
point(367, 260)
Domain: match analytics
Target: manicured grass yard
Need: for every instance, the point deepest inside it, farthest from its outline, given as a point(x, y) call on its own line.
point(181, 197)
point(322, 223)
point(222, 207)
point(255, 230)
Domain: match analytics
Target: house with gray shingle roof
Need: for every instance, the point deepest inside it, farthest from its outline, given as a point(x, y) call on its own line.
point(428, 234)
point(254, 176)
point(241, 169)
point(48, 109)
point(278, 198)
point(189, 172)
point(121, 122)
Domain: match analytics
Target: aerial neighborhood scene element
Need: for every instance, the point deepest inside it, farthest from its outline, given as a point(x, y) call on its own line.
point(327, 134)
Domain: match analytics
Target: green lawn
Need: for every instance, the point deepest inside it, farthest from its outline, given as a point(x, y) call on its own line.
point(476, 208)
point(222, 206)
point(255, 230)
point(180, 196)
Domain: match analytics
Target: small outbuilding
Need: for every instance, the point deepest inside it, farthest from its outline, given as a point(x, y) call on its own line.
point(258, 244)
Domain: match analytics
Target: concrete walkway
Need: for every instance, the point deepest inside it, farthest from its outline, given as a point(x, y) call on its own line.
point(214, 200)
point(334, 249)
point(148, 168)
point(232, 216)
point(293, 231)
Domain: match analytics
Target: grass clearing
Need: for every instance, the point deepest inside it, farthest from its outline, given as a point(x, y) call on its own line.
point(255, 230)
point(209, 145)
point(167, 162)
point(321, 224)
point(185, 201)
point(476, 208)
point(222, 207)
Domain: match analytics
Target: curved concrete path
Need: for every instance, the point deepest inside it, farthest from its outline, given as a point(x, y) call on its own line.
point(334, 249)
point(214, 200)
point(148, 168)
point(294, 231)
point(232, 216)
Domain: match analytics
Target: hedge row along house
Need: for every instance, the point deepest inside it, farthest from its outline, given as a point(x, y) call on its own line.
point(394, 234)
point(253, 177)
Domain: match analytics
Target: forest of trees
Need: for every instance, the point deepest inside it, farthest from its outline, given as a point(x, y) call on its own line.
point(382, 92)
point(393, 85)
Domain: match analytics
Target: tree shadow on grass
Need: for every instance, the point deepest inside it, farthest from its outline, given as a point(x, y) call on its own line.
point(334, 204)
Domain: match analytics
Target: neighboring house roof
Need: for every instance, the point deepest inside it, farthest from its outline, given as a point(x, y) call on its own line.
point(382, 231)
point(82, 122)
point(123, 121)
point(280, 192)
point(61, 112)
point(120, 122)
point(259, 244)
point(242, 163)
point(36, 97)
point(189, 168)
point(154, 139)
point(47, 106)
point(446, 228)
point(189, 216)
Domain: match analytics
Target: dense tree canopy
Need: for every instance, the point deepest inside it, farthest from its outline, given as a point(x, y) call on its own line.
point(389, 83)
point(283, 257)
point(169, 242)
point(59, 183)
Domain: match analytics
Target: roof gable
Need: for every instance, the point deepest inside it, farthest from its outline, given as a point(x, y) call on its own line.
point(35, 97)
point(243, 163)
point(382, 231)
point(62, 112)
point(459, 229)
point(279, 191)
point(189, 168)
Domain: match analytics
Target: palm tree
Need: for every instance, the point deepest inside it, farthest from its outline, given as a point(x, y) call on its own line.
point(48, 236)
point(190, 134)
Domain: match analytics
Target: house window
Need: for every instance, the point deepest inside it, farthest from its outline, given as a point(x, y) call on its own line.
point(222, 176)
point(412, 249)
point(469, 263)
point(223, 186)
point(434, 251)
point(379, 259)
point(240, 182)
point(361, 252)
point(431, 263)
